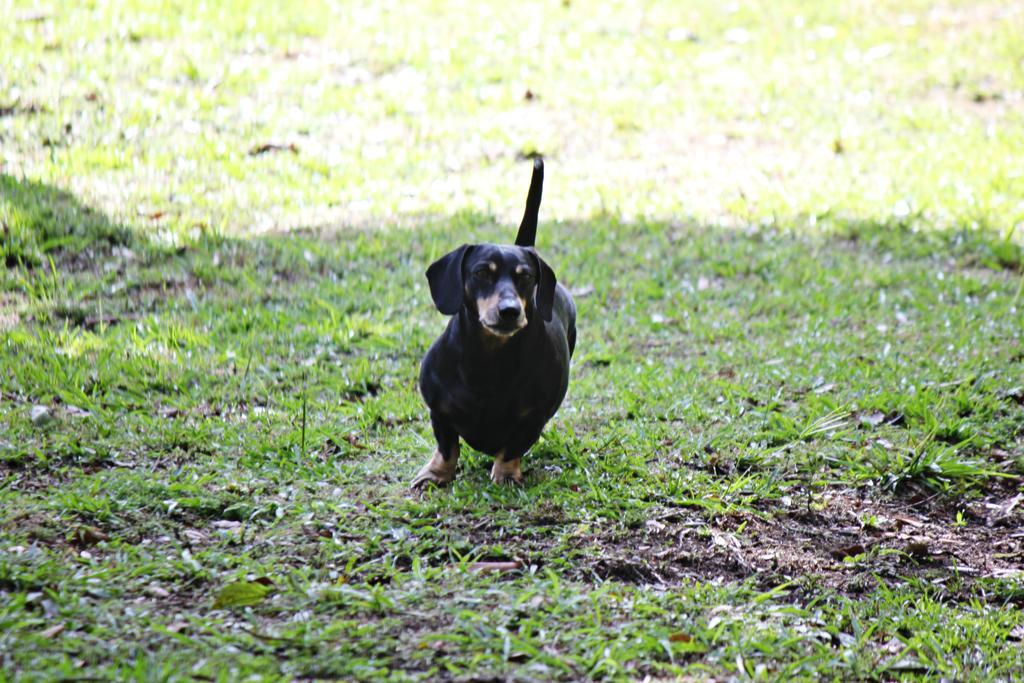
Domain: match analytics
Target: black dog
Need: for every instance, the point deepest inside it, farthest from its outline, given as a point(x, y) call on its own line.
point(500, 370)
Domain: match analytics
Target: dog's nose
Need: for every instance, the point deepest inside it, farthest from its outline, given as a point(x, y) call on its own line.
point(508, 310)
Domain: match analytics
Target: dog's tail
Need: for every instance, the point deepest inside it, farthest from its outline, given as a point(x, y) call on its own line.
point(528, 228)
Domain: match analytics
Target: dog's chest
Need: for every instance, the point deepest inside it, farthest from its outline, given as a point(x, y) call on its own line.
point(492, 404)
point(491, 415)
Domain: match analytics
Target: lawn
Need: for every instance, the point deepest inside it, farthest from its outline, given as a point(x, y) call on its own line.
point(793, 445)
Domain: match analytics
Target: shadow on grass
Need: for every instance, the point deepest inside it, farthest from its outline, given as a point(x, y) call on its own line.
point(639, 284)
point(39, 221)
point(676, 293)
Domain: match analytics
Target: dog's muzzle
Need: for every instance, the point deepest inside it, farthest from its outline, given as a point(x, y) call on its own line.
point(505, 317)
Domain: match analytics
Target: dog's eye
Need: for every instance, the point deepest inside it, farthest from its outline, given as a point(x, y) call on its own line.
point(525, 278)
point(483, 272)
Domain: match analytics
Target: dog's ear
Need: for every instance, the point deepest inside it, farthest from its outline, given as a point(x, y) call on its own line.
point(546, 281)
point(445, 278)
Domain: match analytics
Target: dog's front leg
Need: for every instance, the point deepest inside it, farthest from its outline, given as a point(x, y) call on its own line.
point(506, 471)
point(440, 469)
point(507, 462)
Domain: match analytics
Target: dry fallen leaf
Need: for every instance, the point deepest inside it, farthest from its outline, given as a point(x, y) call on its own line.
point(177, 627)
point(52, 632)
point(918, 547)
point(90, 536)
point(168, 411)
point(273, 147)
point(353, 440)
point(194, 536)
point(873, 419)
point(848, 551)
point(157, 591)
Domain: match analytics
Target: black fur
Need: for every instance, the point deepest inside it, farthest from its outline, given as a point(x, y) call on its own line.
point(494, 378)
point(527, 236)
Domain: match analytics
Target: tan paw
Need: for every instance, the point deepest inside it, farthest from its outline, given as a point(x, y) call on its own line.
point(505, 472)
point(437, 471)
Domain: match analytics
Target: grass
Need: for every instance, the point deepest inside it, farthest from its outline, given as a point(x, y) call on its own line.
point(794, 439)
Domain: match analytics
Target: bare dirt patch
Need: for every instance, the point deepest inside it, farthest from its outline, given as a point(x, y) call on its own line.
point(840, 539)
point(843, 540)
